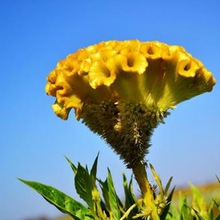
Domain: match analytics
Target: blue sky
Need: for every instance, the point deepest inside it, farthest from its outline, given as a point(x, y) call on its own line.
point(35, 35)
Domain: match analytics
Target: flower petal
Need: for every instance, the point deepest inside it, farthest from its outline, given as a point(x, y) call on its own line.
point(132, 62)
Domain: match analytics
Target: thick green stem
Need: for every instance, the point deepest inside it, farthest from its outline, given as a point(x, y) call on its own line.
point(146, 191)
point(141, 178)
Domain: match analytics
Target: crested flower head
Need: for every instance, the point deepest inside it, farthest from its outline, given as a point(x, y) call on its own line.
point(123, 90)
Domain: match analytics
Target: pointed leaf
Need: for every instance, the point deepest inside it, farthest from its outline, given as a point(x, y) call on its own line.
point(216, 203)
point(129, 197)
point(113, 201)
point(83, 185)
point(71, 165)
point(168, 185)
point(93, 171)
point(218, 178)
point(198, 200)
point(94, 166)
point(60, 200)
point(105, 194)
point(166, 210)
point(184, 208)
point(157, 179)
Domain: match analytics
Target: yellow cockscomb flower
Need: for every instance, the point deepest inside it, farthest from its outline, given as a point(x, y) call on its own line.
point(123, 90)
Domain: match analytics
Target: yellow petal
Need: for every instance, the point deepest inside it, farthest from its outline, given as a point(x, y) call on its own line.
point(99, 75)
point(151, 50)
point(61, 111)
point(132, 62)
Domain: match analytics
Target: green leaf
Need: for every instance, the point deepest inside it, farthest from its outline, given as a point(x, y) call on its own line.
point(198, 200)
point(113, 199)
point(168, 185)
point(71, 165)
point(94, 166)
point(104, 188)
point(157, 179)
point(83, 185)
point(218, 178)
point(60, 200)
point(130, 199)
point(216, 203)
point(167, 208)
point(93, 171)
point(184, 209)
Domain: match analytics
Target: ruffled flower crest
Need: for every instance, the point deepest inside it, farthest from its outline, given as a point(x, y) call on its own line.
point(123, 90)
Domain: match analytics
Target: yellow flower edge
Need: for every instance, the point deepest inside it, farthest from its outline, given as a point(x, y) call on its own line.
point(153, 74)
